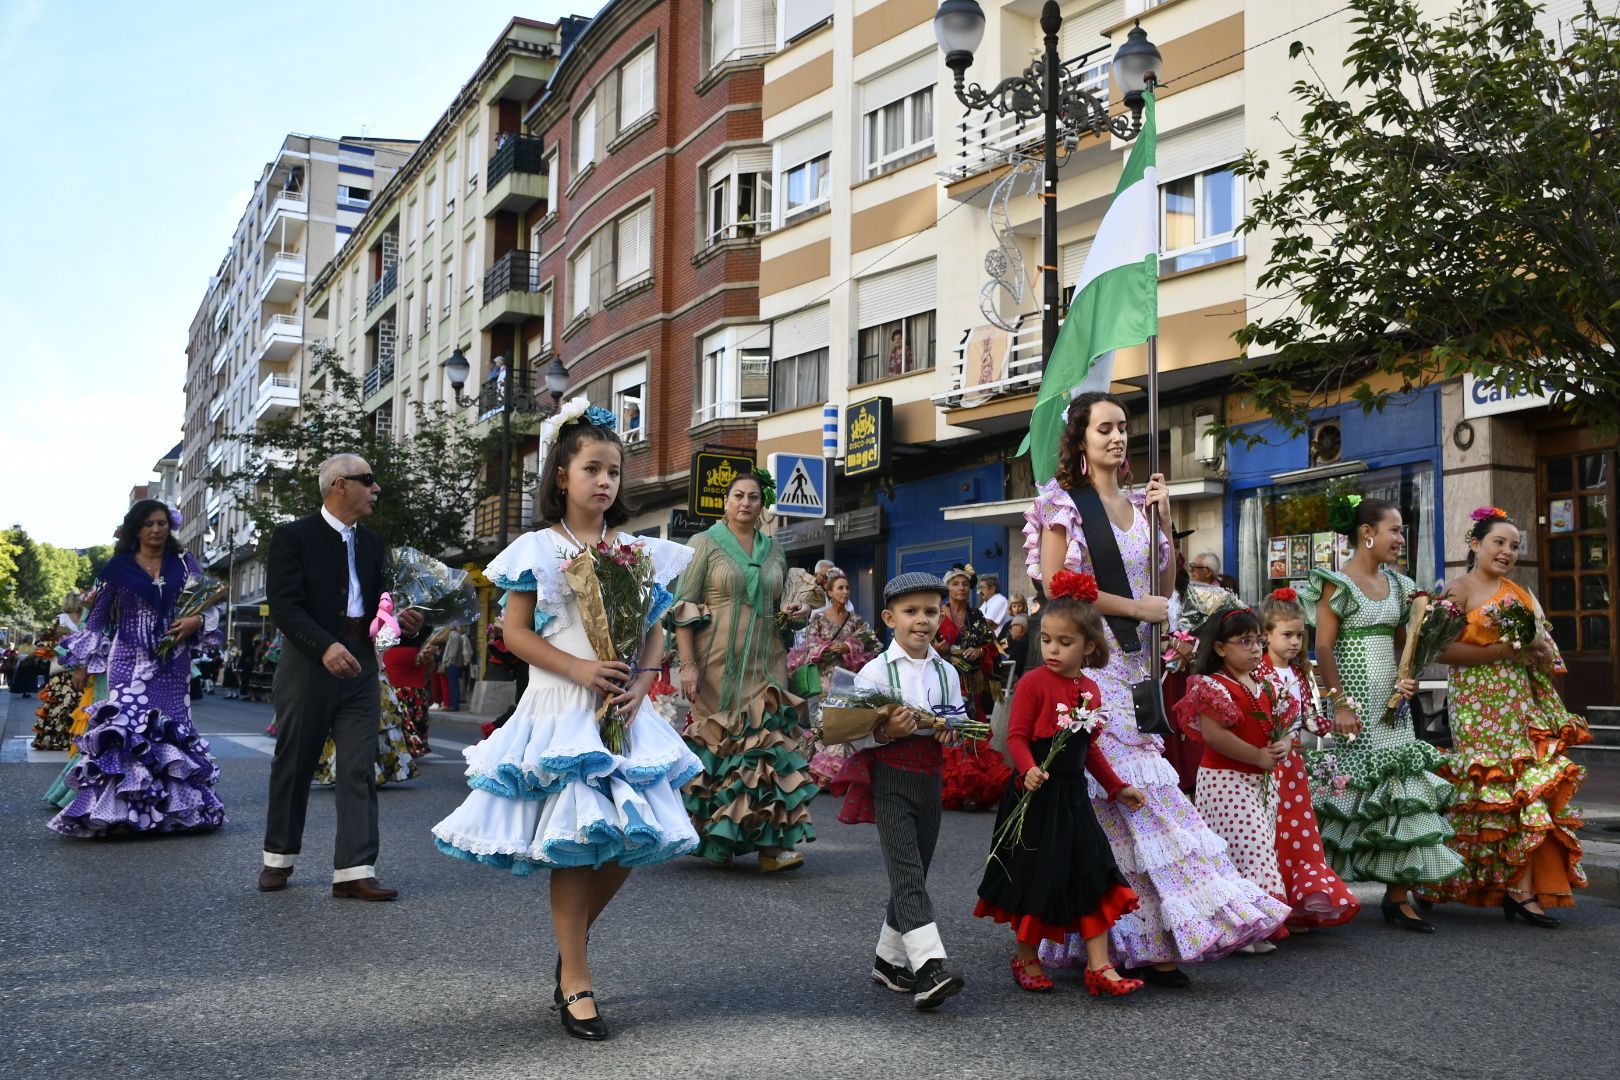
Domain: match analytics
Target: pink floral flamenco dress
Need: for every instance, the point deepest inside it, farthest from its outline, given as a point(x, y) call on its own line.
point(1194, 905)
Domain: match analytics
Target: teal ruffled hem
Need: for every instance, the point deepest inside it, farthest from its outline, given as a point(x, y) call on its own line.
point(512, 781)
point(638, 843)
point(738, 802)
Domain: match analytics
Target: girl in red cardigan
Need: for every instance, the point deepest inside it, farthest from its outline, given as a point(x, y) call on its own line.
point(1059, 876)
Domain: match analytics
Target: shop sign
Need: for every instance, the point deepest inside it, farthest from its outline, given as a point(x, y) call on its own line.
point(863, 524)
point(1483, 398)
point(866, 447)
point(683, 525)
point(712, 473)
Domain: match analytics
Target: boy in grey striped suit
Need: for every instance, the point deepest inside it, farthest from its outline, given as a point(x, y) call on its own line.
point(903, 795)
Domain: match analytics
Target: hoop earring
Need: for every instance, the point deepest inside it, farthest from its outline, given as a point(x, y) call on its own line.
point(1085, 466)
point(1125, 469)
point(1369, 543)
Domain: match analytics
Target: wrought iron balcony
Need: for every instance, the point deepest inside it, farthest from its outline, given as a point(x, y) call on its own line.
point(520, 153)
point(383, 289)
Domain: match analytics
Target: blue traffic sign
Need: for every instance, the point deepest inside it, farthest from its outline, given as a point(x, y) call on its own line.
point(801, 484)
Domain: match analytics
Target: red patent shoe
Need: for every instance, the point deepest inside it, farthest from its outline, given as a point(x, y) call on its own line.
point(1100, 985)
point(1036, 983)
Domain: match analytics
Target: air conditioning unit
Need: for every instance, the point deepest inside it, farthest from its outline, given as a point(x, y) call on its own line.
point(1327, 443)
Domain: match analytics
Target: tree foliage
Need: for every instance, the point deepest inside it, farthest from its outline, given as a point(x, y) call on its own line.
point(1453, 209)
point(35, 576)
point(431, 479)
point(96, 557)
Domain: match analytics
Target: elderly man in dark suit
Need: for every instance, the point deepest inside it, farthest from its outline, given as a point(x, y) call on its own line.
point(325, 577)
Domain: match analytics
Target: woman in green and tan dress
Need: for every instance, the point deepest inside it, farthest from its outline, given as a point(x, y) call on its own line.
point(754, 793)
point(1388, 825)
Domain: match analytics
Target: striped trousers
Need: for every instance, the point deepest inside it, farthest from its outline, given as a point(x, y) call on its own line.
point(907, 808)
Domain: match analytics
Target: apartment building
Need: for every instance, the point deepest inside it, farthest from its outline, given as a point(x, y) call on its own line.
point(245, 348)
point(640, 270)
point(401, 295)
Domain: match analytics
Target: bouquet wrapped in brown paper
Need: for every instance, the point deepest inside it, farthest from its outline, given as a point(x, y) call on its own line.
point(854, 707)
point(614, 586)
point(799, 588)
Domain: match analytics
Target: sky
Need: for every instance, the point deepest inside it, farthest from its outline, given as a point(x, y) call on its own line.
point(135, 133)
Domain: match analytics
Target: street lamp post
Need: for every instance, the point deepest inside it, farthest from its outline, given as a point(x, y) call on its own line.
point(1051, 89)
point(457, 369)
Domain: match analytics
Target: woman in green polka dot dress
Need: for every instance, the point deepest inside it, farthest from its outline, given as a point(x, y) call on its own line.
point(1389, 823)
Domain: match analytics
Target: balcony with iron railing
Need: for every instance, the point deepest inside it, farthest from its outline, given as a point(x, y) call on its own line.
point(529, 395)
point(383, 289)
point(512, 290)
point(516, 178)
point(377, 378)
point(281, 338)
point(1018, 374)
point(988, 139)
point(487, 516)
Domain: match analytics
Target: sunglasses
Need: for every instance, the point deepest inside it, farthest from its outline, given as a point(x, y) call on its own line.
point(365, 478)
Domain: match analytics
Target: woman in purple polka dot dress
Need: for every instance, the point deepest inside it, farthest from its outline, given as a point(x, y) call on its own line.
point(142, 766)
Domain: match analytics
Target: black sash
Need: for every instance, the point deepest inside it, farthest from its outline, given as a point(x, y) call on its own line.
point(1106, 561)
point(1108, 565)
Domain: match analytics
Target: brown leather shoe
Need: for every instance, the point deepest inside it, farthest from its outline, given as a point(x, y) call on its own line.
point(363, 889)
point(274, 878)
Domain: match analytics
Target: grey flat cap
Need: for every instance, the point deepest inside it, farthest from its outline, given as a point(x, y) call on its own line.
point(910, 583)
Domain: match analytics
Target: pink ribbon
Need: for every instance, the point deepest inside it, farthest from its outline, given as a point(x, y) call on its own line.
point(385, 616)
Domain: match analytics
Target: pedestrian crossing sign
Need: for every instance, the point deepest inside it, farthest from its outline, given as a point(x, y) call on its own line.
point(801, 484)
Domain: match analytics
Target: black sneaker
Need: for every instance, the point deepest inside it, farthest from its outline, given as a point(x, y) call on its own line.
point(933, 984)
point(893, 976)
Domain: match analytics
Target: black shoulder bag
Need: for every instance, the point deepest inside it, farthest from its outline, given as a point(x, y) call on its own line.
point(1147, 695)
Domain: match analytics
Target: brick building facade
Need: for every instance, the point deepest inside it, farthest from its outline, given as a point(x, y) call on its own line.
point(647, 258)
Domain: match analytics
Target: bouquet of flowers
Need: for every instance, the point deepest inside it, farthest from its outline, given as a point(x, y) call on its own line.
point(199, 593)
point(1280, 720)
point(1172, 655)
point(1069, 721)
point(443, 595)
point(614, 586)
point(1518, 626)
point(854, 707)
point(1324, 774)
point(1434, 624)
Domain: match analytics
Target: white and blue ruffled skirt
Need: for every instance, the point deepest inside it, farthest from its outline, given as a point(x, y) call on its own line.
point(546, 792)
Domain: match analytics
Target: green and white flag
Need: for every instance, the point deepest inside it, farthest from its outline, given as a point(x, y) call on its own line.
point(1116, 301)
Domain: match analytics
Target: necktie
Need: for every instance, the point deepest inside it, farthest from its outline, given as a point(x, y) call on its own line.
point(354, 575)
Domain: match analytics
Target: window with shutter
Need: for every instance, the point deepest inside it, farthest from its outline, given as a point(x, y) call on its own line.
point(580, 285)
point(799, 354)
point(629, 399)
point(898, 116)
point(722, 31)
point(799, 16)
point(604, 280)
point(552, 176)
point(585, 138)
point(637, 87)
point(634, 238)
point(895, 313)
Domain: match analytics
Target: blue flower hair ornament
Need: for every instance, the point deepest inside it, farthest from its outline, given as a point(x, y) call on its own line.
point(600, 417)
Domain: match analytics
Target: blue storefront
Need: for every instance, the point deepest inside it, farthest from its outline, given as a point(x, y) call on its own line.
point(1275, 515)
point(919, 537)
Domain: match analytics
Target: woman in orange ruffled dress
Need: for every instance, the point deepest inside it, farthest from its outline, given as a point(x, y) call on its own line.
point(1515, 825)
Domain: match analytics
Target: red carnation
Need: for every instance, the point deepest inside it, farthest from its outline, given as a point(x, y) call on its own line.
point(1079, 586)
point(1285, 594)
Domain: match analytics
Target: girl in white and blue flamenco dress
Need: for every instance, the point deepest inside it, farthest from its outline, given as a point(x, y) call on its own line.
point(547, 793)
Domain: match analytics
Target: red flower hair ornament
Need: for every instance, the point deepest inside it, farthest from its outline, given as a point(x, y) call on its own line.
point(1285, 594)
point(1067, 583)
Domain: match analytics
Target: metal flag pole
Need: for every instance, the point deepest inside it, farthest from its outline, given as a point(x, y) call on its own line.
point(1155, 643)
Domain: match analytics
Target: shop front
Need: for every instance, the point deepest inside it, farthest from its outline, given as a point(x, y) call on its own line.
point(1276, 517)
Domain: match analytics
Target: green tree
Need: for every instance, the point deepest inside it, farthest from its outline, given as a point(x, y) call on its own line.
point(96, 557)
point(1454, 209)
point(44, 575)
point(10, 549)
point(431, 479)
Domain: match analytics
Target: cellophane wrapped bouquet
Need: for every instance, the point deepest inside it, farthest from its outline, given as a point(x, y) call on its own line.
point(614, 586)
point(853, 706)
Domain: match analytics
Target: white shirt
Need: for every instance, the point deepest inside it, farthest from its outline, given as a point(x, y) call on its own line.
point(995, 610)
point(919, 681)
point(357, 602)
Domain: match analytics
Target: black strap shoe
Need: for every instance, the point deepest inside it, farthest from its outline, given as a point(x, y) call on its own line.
point(1512, 907)
point(1395, 916)
point(592, 1030)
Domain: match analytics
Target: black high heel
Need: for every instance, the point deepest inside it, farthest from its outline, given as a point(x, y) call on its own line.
point(1396, 917)
point(1512, 907)
point(591, 1030)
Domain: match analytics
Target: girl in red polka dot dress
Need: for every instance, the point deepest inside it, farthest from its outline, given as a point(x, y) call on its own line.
point(1239, 715)
point(1314, 891)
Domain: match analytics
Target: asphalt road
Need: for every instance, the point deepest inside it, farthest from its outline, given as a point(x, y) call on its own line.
point(157, 958)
